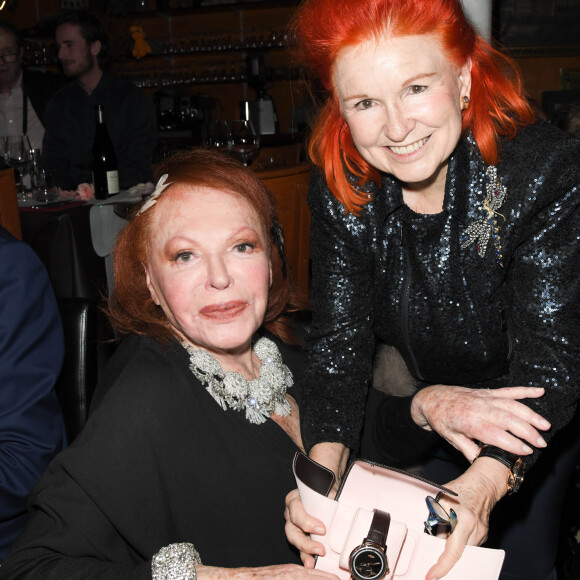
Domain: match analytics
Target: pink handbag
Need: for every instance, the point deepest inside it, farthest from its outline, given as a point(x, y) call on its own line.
point(366, 487)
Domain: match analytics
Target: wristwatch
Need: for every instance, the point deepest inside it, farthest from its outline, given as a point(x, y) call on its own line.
point(511, 461)
point(369, 560)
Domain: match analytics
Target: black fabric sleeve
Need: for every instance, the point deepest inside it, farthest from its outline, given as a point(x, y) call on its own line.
point(67, 527)
point(390, 435)
point(341, 342)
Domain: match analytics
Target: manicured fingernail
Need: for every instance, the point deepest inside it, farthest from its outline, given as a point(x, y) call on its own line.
point(541, 442)
point(319, 530)
point(544, 424)
point(528, 450)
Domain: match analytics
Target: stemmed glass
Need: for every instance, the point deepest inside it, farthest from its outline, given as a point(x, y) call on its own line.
point(245, 141)
point(18, 156)
point(219, 136)
point(3, 151)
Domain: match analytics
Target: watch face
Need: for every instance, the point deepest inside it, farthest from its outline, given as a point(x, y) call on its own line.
point(368, 562)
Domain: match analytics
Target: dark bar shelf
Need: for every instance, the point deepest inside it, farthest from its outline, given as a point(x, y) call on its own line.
point(209, 8)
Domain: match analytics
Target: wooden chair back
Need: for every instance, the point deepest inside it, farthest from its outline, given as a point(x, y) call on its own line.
point(9, 216)
point(290, 188)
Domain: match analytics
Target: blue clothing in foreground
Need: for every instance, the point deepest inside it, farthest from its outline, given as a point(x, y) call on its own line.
point(31, 355)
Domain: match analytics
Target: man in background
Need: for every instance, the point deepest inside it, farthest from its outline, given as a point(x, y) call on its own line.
point(83, 53)
point(23, 93)
point(31, 354)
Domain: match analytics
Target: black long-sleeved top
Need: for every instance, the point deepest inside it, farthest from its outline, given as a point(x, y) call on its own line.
point(159, 462)
point(70, 122)
point(457, 318)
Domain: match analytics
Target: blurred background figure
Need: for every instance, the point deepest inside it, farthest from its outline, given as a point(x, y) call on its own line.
point(567, 118)
point(83, 53)
point(24, 93)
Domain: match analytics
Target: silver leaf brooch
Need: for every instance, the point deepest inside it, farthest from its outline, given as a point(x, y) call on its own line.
point(487, 227)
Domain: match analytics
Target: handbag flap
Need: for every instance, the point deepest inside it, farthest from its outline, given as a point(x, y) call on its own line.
point(315, 502)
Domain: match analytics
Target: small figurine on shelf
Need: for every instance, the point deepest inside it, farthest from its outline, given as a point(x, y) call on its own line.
point(140, 48)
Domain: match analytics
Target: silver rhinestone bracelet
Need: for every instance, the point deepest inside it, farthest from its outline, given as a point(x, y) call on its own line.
point(176, 562)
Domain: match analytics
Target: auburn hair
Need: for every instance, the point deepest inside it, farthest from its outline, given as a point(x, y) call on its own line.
point(497, 106)
point(130, 307)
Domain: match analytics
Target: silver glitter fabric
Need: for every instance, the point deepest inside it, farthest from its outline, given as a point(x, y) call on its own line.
point(259, 397)
point(175, 562)
point(455, 313)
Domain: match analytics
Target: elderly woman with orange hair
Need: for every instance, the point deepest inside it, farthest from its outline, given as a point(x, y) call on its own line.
point(445, 226)
point(186, 456)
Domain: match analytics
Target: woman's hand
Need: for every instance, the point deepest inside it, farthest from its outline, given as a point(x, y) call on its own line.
point(478, 489)
point(491, 416)
point(299, 526)
point(289, 571)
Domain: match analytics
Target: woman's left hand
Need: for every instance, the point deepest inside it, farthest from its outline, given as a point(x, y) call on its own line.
point(478, 489)
point(463, 416)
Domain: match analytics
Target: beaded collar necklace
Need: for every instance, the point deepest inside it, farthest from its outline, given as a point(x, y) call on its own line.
point(259, 397)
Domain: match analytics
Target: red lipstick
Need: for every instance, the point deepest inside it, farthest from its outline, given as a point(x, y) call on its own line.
point(223, 311)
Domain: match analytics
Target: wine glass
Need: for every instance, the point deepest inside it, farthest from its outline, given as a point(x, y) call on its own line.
point(18, 153)
point(245, 141)
point(41, 180)
point(219, 136)
point(3, 150)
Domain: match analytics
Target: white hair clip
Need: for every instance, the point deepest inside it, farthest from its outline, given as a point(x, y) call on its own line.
point(159, 188)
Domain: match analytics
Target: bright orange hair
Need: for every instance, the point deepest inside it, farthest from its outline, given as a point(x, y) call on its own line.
point(322, 28)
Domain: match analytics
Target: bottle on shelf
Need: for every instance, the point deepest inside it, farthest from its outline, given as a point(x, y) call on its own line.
point(105, 172)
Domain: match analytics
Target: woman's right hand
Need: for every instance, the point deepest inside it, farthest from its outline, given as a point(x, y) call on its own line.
point(464, 416)
point(282, 571)
point(299, 526)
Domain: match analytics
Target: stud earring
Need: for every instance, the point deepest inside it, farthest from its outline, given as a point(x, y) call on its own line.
point(464, 102)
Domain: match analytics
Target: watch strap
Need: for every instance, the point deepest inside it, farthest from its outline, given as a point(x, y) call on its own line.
point(512, 461)
point(505, 457)
point(379, 529)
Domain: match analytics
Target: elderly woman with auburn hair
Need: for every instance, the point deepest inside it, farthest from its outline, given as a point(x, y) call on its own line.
point(182, 468)
point(445, 226)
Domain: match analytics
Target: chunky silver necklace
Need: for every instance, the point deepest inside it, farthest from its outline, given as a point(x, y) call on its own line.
point(259, 397)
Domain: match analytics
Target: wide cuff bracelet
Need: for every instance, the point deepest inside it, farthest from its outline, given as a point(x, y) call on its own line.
point(176, 562)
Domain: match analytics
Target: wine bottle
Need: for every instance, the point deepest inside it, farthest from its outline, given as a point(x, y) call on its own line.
point(105, 173)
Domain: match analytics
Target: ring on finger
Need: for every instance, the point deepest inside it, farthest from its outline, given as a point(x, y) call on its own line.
point(439, 520)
